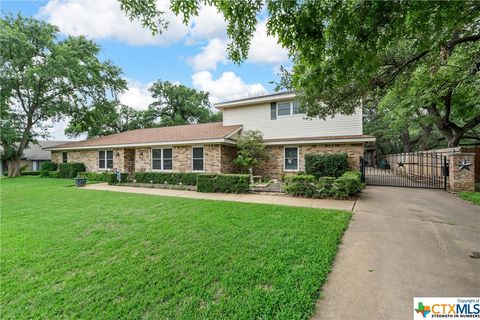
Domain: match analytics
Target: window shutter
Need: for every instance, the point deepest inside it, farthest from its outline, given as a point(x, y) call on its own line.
point(273, 111)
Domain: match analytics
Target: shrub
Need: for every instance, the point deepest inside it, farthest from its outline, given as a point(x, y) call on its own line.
point(112, 177)
point(95, 176)
point(48, 166)
point(301, 185)
point(227, 183)
point(344, 187)
point(326, 165)
point(71, 169)
point(184, 178)
point(30, 173)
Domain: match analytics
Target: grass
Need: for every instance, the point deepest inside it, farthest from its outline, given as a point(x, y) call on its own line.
point(473, 197)
point(72, 253)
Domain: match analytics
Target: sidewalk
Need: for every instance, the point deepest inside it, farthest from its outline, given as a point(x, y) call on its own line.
point(252, 198)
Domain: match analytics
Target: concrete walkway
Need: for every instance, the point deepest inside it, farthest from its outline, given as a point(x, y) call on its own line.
point(403, 243)
point(253, 198)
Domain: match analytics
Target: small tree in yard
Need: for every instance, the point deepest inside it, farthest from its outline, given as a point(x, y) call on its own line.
point(251, 151)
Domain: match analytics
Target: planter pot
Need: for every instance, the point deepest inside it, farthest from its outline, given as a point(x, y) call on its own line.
point(80, 182)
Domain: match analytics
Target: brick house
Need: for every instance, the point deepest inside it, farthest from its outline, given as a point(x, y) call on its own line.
point(211, 147)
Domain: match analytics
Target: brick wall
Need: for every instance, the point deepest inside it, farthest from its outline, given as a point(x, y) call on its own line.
point(142, 159)
point(462, 179)
point(229, 154)
point(273, 168)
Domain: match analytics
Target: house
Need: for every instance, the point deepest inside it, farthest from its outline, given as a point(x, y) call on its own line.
point(34, 155)
point(211, 147)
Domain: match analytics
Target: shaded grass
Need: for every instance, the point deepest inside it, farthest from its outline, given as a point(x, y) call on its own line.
point(473, 197)
point(71, 253)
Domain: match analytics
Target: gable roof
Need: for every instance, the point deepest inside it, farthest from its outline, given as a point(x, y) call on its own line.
point(279, 96)
point(36, 151)
point(185, 134)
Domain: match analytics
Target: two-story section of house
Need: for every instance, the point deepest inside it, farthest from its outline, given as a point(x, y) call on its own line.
point(211, 147)
point(289, 134)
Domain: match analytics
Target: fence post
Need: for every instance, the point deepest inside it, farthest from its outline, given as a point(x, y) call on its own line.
point(462, 172)
point(362, 169)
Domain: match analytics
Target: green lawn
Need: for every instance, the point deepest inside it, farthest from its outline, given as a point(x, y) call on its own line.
point(473, 197)
point(72, 253)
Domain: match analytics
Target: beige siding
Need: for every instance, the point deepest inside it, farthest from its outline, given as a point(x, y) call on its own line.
point(293, 126)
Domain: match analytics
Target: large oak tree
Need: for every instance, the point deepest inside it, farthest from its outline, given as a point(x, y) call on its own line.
point(44, 78)
point(343, 51)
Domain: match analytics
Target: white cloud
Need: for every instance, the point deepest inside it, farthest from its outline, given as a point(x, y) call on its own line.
point(208, 24)
point(228, 87)
point(211, 54)
point(137, 95)
point(56, 131)
point(104, 19)
point(265, 48)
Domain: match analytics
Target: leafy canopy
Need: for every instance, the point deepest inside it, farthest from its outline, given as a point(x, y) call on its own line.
point(45, 78)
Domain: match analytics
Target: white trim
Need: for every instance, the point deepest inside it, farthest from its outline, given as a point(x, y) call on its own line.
point(302, 142)
point(161, 159)
point(298, 159)
point(106, 160)
point(231, 104)
point(152, 144)
point(234, 132)
point(203, 158)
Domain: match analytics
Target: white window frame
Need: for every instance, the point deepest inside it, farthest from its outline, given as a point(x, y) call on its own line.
point(203, 158)
point(106, 159)
point(161, 159)
point(298, 159)
point(291, 109)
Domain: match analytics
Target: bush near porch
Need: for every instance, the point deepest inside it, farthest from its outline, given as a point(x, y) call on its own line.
point(326, 164)
point(344, 187)
point(225, 183)
point(184, 178)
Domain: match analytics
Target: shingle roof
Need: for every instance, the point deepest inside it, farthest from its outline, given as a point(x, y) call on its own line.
point(191, 133)
point(36, 152)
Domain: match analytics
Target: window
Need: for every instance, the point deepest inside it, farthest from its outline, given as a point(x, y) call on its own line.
point(105, 159)
point(197, 159)
point(162, 159)
point(285, 109)
point(291, 159)
point(64, 157)
point(296, 108)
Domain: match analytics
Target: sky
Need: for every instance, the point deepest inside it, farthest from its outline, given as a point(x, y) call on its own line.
point(193, 55)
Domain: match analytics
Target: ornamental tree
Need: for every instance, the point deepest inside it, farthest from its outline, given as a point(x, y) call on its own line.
point(251, 151)
point(46, 78)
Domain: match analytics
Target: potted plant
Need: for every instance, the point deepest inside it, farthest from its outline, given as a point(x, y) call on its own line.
point(80, 181)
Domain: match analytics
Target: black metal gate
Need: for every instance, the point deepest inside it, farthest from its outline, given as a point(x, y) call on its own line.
point(411, 170)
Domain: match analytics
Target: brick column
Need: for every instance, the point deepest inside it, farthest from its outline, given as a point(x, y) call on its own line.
point(462, 172)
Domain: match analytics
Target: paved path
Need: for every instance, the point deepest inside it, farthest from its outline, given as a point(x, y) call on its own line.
point(403, 243)
point(255, 198)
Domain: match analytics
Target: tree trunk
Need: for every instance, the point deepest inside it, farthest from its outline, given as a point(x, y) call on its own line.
point(13, 168)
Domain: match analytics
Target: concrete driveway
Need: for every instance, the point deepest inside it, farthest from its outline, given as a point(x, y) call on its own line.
point(403, 243)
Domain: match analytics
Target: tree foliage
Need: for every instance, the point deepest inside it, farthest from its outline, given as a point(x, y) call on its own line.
point(423, 54)
point(45, 78)
point(174, 104)
point(251, 151)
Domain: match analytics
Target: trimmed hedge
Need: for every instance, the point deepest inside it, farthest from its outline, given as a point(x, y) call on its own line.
point(326, 165)
point(110, 177)
point(48, 166)
point(226, 183)
point(185, 178)
point(344, 187)
point(71, 169)
point(30, 173)
point(95, 176)
point(53, 174)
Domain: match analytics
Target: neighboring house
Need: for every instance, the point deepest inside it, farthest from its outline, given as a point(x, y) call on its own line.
point(211, 147)
point(34, 155)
